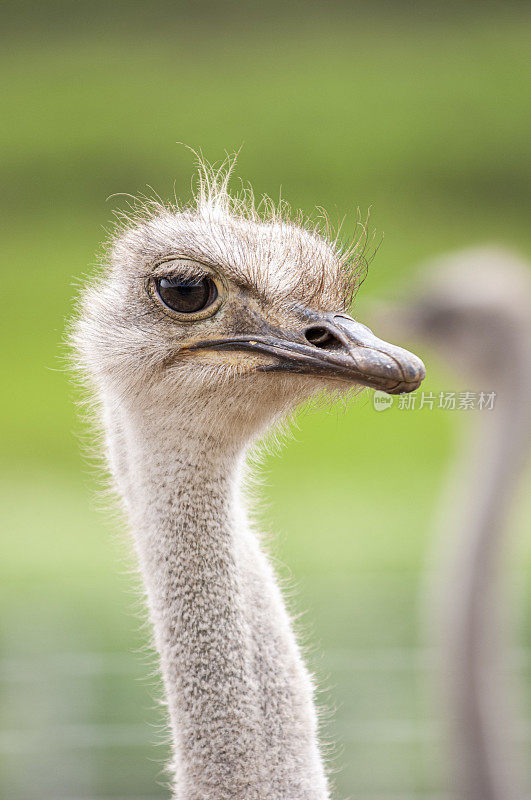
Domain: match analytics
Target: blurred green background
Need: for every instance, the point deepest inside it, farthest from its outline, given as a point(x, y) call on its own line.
point(421, 113)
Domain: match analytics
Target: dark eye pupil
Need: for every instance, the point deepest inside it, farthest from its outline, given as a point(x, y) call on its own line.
point(187, 295)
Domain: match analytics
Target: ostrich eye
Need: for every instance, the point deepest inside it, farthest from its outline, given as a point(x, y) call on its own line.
point(187, 295)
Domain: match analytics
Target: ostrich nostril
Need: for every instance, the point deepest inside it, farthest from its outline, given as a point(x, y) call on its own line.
point(322, 337)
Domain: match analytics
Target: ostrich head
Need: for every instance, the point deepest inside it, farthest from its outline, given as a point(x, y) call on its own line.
point(472, 307)
point(216, 316)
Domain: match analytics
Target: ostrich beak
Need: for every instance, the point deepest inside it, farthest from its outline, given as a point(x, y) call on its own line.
point(332, 346)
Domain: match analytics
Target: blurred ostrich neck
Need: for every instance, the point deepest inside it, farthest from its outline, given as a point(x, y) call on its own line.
point(239, 698)
point(483, 714)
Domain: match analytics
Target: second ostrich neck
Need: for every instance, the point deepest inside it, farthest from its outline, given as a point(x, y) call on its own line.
point(239, 697)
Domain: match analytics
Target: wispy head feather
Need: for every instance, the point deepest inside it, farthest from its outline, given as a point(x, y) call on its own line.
point(269, 242)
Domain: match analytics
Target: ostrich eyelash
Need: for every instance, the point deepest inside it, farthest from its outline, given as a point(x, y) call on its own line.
point(178, 267)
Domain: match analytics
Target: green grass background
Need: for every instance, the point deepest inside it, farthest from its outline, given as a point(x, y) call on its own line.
point(421, 114)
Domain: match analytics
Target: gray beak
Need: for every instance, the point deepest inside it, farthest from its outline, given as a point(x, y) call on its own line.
point(377, 363)
point(332, 346)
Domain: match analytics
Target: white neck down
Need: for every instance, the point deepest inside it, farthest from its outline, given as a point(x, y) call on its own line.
point(240, 700)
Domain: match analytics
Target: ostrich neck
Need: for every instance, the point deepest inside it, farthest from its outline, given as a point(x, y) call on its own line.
point(474, 618)
point(239, 697)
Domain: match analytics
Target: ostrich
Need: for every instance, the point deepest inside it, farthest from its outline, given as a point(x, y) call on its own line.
point(209, 325)
point(475, 310)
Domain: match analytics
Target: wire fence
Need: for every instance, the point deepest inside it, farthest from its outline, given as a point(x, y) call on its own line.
point(94, 732)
